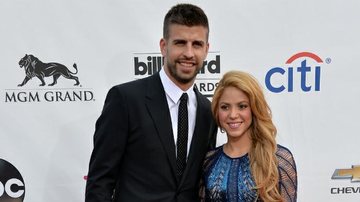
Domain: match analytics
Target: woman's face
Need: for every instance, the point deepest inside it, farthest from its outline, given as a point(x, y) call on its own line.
point(234, 113)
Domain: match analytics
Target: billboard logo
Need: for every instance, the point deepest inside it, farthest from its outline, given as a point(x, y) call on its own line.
point(12, 186)
point(153, 64)
point(352, 173)
point(279, 79)
point(35, 68)
point(146, 64)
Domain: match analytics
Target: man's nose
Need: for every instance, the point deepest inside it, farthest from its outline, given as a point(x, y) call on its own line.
point(189, 51)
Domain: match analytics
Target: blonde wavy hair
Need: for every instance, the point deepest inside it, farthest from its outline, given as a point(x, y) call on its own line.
point(262, 156)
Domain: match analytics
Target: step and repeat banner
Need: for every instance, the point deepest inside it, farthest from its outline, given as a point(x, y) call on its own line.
point(304, 53)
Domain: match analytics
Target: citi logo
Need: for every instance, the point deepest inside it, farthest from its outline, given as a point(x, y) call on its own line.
point(148, 64)
point(36, 68)
point(303, 77)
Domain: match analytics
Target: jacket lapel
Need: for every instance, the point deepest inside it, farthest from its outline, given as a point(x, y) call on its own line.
point(157, 105)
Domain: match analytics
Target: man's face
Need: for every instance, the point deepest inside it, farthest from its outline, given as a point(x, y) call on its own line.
point(184, 52)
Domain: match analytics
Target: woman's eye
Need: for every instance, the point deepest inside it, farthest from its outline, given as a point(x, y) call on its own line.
point(224, 107)
point(243, 106)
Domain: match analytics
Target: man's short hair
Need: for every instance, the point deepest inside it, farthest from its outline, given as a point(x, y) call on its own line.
point(185, 14)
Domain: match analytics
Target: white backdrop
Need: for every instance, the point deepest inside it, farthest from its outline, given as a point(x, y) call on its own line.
point(46, 131)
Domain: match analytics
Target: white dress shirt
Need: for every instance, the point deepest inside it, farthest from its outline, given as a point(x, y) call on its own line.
point(173, 94)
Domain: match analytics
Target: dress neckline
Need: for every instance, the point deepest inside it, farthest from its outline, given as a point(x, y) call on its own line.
point(245, 156)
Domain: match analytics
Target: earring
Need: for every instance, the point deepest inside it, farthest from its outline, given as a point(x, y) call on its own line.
point(222, 130)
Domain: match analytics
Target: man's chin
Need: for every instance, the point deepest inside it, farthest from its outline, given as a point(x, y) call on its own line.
point(186, 79)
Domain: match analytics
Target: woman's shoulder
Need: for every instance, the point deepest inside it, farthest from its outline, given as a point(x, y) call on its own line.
point(213, 152)
point(212, 155)
point(282, 150)
point(285, 157)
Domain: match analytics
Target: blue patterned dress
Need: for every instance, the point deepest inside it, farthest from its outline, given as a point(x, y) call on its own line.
point(227, 179)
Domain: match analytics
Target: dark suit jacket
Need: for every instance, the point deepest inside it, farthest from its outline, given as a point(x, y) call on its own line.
point(134, 155)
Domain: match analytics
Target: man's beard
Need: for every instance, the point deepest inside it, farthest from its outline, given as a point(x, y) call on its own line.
point(177, 77)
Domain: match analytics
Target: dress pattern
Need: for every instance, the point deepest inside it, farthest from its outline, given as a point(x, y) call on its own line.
point(227, 179)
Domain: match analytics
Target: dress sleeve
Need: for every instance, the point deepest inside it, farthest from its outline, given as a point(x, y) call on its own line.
point(287, 174)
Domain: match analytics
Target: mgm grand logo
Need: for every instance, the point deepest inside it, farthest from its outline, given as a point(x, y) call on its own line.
point(35, 68)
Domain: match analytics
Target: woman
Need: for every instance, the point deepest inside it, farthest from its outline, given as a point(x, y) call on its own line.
point(250, 166)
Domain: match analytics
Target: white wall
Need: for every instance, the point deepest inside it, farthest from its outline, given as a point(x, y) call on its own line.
point(49, 142)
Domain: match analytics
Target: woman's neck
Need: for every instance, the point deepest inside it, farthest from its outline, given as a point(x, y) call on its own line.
point(237, 147)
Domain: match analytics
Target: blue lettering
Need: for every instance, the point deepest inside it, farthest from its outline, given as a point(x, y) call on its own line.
point(268, 79)
point(303, 69)
point(317, 78)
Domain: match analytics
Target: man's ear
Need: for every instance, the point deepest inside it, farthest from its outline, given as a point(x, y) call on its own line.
point(163, 46)
point(207, 48)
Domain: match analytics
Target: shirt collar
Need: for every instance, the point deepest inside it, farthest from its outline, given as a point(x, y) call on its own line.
point(172, 90)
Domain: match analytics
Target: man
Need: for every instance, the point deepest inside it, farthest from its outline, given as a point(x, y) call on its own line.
point(136, 148)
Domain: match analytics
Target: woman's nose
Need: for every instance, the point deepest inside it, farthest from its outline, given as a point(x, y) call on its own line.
point(234, 113)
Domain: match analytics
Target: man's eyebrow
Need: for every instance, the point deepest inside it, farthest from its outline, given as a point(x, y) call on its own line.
point(199, 42)
point(179, 40)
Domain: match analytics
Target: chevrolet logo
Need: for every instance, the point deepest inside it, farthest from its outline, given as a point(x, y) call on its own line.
point(353, 174)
